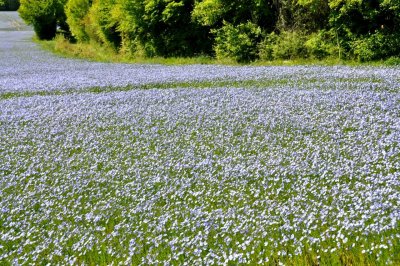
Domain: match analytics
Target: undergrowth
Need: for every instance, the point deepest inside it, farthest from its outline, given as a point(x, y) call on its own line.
point(95, 52)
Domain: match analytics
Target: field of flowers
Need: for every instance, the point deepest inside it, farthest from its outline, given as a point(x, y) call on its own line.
point(281, 165)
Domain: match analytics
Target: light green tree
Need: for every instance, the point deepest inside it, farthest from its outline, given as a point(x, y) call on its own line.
point(44, 15)
point(76, 12)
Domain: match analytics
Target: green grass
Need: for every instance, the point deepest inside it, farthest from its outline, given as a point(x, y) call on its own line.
point(289, 81)
point(172, 85)
point(96, 52)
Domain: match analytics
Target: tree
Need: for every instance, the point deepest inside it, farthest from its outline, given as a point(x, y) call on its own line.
point(76, 12)
point(238, 42)
point(370, 29)
point(162, 28)
point(237, 25)
point(302, 15)
point(9, 5)
point(45, 16)
point(102, 24)
point(215, 13)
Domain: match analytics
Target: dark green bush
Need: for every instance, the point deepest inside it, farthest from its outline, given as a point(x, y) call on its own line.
point(302, 15)
point(368, 30)
point(214, 13)
point(44, 15)
point(161, 28)
point(239, 42)
point(376, 46)
point(9, 5)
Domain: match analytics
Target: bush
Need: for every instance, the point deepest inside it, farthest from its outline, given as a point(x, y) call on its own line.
point(393, 61)
point(94, 20)
point(101, 24)
point(239, 43)
point(161, 28)
point(76, 11)
point(45, 16)
point(363, 49)
point(290, 45)
point(266, 47)
point(321, 45)
point(376, 46)
point(294, 45)
point(9, 5)
point(286, 45)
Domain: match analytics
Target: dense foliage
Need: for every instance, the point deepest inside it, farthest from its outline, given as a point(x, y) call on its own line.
point(45, 16)
point(9, 5)
point(243, 30)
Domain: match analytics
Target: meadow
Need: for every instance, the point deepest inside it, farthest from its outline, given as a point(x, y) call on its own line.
point(206, 175)
point(196, 165)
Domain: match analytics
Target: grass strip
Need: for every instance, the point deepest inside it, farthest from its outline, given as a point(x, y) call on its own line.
point(259, 83)
point(172, 85)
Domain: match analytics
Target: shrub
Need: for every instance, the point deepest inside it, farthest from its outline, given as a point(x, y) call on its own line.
point(101, 24)
point(363, 49)
point(161, 28)
point(9, 5)
point(321, 45)
point(393, 61)
point(126, 13)
point(376, 46)
point(290, 45)
point(45, 16)
point(76, 11)
point(266, 47)
point(239, 42)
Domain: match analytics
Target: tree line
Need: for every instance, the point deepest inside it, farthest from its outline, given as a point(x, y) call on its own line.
point(242, 30)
